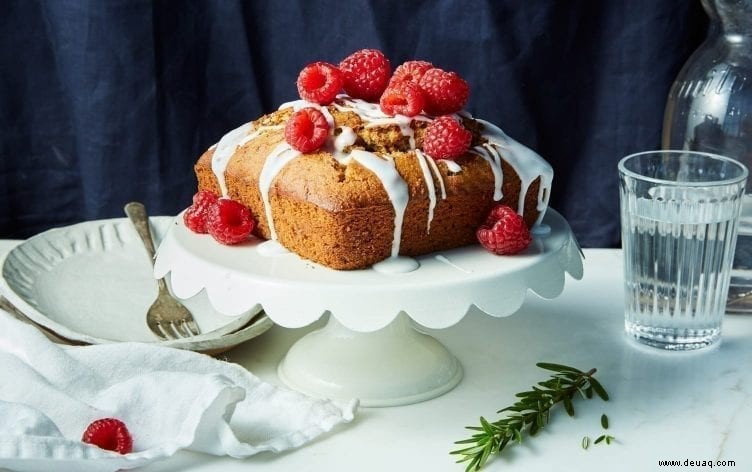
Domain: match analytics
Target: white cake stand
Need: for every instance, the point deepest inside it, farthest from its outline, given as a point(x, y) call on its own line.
point(369, 348)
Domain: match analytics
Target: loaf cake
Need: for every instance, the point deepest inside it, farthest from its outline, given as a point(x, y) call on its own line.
point(370, 193)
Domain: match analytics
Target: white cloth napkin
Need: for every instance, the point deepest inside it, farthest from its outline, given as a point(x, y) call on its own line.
point(169, 400)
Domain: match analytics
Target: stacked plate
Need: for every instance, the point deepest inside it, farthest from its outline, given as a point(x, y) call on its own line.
point(92, 283)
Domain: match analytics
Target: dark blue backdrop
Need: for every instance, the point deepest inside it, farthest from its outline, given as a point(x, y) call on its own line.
point(107, 101)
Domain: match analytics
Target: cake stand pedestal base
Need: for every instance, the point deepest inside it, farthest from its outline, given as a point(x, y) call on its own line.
point(396, 365)
point(365, 351)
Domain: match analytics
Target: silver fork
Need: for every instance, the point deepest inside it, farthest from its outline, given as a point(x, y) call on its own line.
point(166, 317)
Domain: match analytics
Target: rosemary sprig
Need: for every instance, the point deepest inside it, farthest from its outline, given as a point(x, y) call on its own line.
point(529, 413)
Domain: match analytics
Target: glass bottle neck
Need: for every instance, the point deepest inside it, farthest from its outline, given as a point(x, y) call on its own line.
point(731, 19)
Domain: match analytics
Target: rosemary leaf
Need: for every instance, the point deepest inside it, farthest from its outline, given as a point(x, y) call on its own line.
point(568, 406)
point(557, 367)
point(604, 421)
point(530, 413)
point(465, 441)
point(486, 426)
point(533, 429)
point(599, 439)
point(599, 389)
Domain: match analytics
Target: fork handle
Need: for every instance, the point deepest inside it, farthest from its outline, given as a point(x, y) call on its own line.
point(137, 214)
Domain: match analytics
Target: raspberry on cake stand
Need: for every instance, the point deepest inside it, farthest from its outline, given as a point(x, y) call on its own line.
point(371, 347)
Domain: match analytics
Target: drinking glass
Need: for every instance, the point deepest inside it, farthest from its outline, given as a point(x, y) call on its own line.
point(679, 221)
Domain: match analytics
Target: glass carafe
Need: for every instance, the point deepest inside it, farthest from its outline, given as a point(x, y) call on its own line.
point(709, 109)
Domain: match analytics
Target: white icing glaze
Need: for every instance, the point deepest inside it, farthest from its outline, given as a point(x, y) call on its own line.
point(439, 177)
point(279, 157)
point(396, 265)
point(404, 125)
point(366, 110)
point(394, 184)
point(490, 155)
point(527, 163)
point(271, 248)
point(430, 187)
point(373, 116)
point(224, 150)
point(446, 261)
point(256, 133)
point(346, 138)
point(250, 136)
point(452, 166)
point(540, 229)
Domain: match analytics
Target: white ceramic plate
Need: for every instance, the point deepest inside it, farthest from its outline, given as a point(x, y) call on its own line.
point(93, 283)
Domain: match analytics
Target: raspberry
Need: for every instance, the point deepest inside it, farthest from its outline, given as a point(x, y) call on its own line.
point(504, 232)
point(446, 92)
point(410, 71)
point(403, 98)
point(366, 73)
point(195, 216)
point(110, 434)
point(230, 222)
point(319, 82)
point(306, 130)
point(446, 138)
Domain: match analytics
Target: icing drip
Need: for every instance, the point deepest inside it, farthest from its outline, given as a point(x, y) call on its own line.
point(430, 187)
point(279, 157)
point(366, 110)
point(446, 261)
point(528, 165)
point(250, 137)
point(400, 120)
point(373, 116)
point(437, 173)
point(256, 133)
point(224, 150)
point(452, 166)
point(346, 138)
point(396, 265)
point(541, 229)
point(491, 155)
point(394, 184)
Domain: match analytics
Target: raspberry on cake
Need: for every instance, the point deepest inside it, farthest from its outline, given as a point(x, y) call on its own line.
point(411, 71)
point(402, 98)
point(373, 174)
point(445, 92)
point(320, 83)
point(366, 73)
point(306, 130)
point(229, 222)
point(446, 138)
point(196, 215)
point(504, 232)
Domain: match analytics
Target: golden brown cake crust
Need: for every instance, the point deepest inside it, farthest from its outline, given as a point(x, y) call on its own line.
point(341, 216)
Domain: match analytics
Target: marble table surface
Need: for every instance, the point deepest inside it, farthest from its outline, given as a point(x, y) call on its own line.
point(664, 406)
